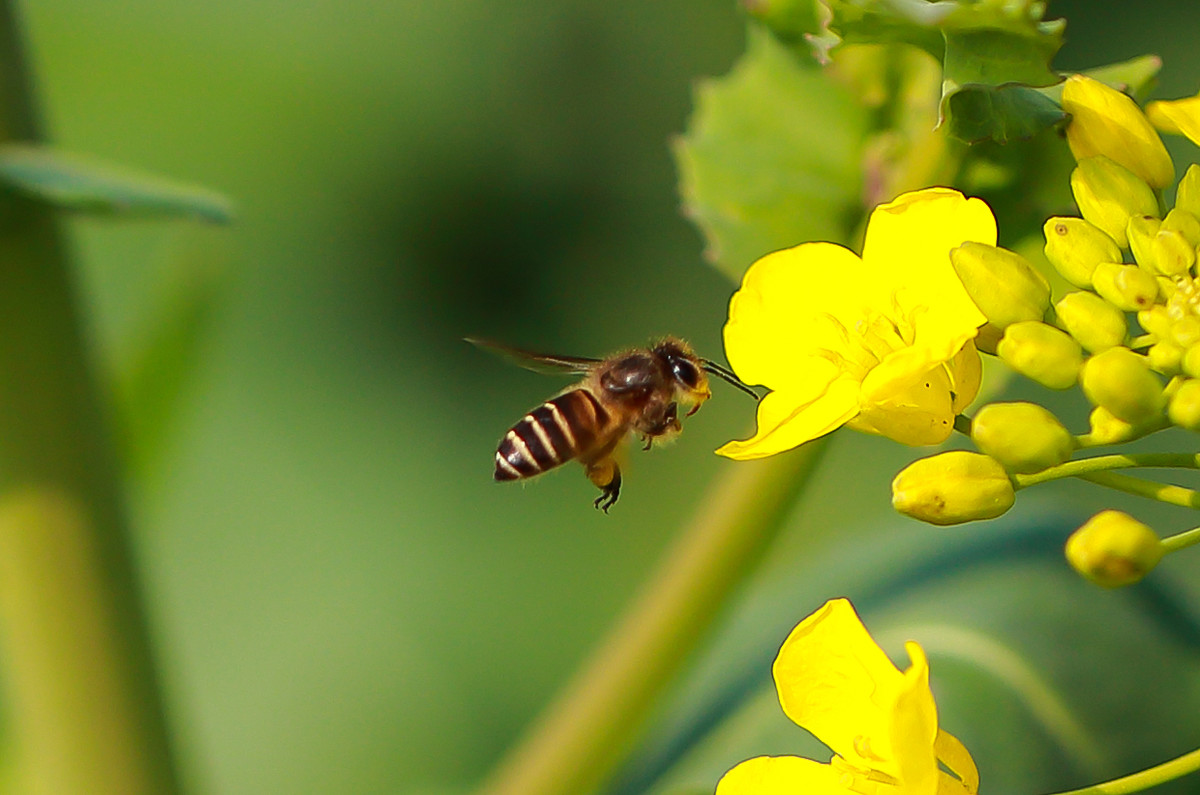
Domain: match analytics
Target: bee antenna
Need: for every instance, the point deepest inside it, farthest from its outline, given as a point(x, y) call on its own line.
point(712, 367)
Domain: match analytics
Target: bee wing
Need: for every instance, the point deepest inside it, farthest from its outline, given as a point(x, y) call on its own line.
point(537, 362)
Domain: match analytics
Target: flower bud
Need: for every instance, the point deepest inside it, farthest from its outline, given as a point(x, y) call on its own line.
point(1187, 194)
point(1002, 283)
point(1141, 231)
point(1185, 332)
point(1184, 408)
point(1189, 363)
point(1184, 223)
point(1106, 122)
point(1075, 247)
point(1094, 323)
point(1108, 195)
point(1107, 429)
point(1127, 287)
point(1171, 254)
point(1041, 352)
point(1155, 320)
point(1114, 549)
point(1165, 357)
point(953, 487)
point(1122, 382)
point(1023, 437)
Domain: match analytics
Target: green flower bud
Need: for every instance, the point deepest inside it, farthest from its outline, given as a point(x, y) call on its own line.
point(1002, 283)
point(1023, 437)
point(1109, 194)
point(1075, 247)
point(1127, 287)
point(1184, 223)
point(1122, 382)
point(954, 487)
point(1114, 549)
point(1141, 231)
point(1094, 323)
point(1184, 408)
point(1165, 357)
point(1187, 195)
point(1041, 352)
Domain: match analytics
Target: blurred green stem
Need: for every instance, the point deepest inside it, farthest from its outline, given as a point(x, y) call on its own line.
point(1163, 492)
point(83, 700)
point(1103, 463)
point(575, 744)
point(1150, 777)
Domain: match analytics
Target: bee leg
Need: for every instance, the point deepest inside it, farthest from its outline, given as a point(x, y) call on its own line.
point(607, 476)
point(649, 440)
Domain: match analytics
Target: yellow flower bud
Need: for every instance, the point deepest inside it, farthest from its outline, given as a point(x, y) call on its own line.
point(1106, 122)
point(1122, 382)
point(1165, 357)
point(1023, 437)
point(1171, 254)
point(1155, 320)
point(1127, 287)
point(953, 487)
point(1141, 231)
point(1190, 362)
point(1075, 247)
point(1184, 408)
point(1185, 332)
point(1187, 194)
point(1041, 352)
point(1184, 223)
point(1108, 195)
point(1094, 323)
point(1002, 283)
point(1114, 549)
point(1167, 287)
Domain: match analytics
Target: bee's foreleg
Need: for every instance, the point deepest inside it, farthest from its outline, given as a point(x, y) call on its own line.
point(607, 476)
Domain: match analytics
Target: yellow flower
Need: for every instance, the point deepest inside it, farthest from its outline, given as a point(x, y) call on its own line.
point(882, 343)
point(834, 681)
point(1106, 122)
point(1177, 117)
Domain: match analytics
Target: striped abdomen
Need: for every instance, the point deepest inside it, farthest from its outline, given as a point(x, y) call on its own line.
point(555, 432)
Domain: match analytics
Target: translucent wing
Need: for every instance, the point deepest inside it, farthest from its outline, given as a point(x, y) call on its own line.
point(538, 362)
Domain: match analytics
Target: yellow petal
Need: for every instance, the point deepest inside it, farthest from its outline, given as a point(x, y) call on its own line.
point(955, 756)
point(785, 422)
point(966, 373)
point(1178, 117)
point(780, 321)
point(913, 726)
point(910, 408)
point(906, 254)
point(834, 681)
point(781, 775)
point(1106, 122)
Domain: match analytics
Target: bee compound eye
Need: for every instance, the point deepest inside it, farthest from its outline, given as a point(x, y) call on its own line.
point(686, 373)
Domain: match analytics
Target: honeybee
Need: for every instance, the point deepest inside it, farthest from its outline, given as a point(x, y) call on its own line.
point(638, 391)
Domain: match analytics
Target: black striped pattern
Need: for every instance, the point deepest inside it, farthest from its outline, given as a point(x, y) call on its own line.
point(555, 432)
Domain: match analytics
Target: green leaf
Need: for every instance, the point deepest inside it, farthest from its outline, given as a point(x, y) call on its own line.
point(82, 184)
point(771, 158)
point(991, 50)
point(977, 113)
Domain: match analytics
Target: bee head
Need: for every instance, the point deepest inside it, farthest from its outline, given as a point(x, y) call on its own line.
point(691, 382)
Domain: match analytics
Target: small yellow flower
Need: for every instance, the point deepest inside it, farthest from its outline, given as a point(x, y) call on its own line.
point(1106, 122)
point(882, 343)
point(1177, 117)
point(881, 724)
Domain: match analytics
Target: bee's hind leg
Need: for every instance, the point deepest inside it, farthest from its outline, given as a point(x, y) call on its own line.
point(607, 476)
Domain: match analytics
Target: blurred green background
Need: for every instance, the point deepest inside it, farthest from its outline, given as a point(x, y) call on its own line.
point(342, 600)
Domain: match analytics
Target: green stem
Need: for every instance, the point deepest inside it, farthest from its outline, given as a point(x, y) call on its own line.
point(584, 734)
point(83, 701)
point(1102, 463)
point(1163, 492)
point(1151, 777)
point(1182, 540)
